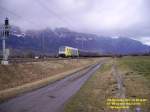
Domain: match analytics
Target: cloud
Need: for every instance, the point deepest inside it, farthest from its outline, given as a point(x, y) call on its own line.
point(144, 40)
point(103, 17)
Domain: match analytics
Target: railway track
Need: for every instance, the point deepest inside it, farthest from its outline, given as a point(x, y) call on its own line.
point(25, 60)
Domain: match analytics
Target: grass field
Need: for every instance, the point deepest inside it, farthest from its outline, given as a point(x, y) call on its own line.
point(93, 95)
point(137, 77)
point(140, 65)
point(15, 75)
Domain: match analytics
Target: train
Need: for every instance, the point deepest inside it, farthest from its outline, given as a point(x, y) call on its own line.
point(66, 51)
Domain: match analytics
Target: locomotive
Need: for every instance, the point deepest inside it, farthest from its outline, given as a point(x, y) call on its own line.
point(66, 51)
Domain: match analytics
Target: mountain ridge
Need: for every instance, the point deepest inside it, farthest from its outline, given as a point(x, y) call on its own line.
point(48, 41)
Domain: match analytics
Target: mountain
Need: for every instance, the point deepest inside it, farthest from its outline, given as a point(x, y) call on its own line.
point(48, 41)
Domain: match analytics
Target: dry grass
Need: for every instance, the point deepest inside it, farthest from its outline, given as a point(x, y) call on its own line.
point(19, 78)
point(11, 92)
point(93, 95)
point(20, 74)
point(136, 72)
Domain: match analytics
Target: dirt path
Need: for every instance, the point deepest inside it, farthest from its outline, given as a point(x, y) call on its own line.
point(120, 85)
point(119, 78)
point(50, 98)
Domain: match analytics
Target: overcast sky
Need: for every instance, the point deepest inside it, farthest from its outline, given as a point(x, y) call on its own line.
point(129, 18)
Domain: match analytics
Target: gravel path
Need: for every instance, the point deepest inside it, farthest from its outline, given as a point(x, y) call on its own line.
point(50, 98)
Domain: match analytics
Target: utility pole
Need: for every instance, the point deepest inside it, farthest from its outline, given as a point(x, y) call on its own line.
point(43, 44)
point(4, 36)
point(82, 44)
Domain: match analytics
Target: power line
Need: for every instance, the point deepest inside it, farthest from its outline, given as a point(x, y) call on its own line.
point(53, 13)
point(44, 7)
point(18, 16)
point(10, 12)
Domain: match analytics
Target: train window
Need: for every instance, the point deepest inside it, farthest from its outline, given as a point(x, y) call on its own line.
point(62, 48)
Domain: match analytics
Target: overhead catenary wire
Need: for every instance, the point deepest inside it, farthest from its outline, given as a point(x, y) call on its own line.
point(50, 11)
point(44, 6)
point(18, 16)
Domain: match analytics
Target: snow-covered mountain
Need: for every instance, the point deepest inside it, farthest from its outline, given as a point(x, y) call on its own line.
point(48, 41)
